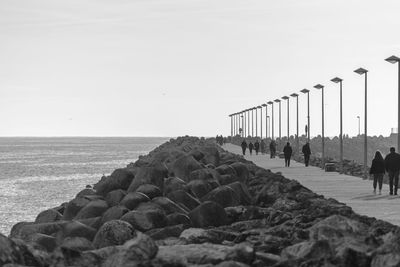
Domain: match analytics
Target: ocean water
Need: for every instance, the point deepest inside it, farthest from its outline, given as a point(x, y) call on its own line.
point(41, 173)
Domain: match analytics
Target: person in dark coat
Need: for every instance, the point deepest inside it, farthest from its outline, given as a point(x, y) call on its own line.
point(256, 146)
point(377, 170)
point(251, 146)
point(307, 152)
point(244, 146)
point(262, 146)
point(272, 149)
point(392, 167)
point(287, 151)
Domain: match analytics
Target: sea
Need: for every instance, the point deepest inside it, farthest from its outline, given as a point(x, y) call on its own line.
point(38, 173)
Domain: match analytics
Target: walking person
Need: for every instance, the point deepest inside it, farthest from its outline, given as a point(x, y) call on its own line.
point(256, 146)
point(251, 146)
point(244, 146)
point(272, 148)
point(378, 171)
point(287, 151)
point(392, 167)
point(307, 152)
point(262, 146)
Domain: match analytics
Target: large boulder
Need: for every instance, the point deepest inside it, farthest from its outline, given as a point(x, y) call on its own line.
point(172, 184)
point(119, 179)
point(153, 174)
point(114, 197)
point(25, 231)
point(76, 229)
point(76, 244)
point(93, 209)
point(145, 220)
point(73, 207)
point(113, 233)
point(178, 218)
point(86, 192)
point(200, 188)
point(307, 250)
point(133, 199)
point(206, 174)
point(208, 214)
point(224, 196)
point(42, 241)
point(211, 154)
point(113, 213)
point(183, 166)
point(242, 192)
point(168, 205)
point(184, 198)
point(225, 169)
point(241, 171)
point(149, 190)
point(49, 215)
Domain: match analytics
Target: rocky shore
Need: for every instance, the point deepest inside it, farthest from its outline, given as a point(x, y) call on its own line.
point(190, 203)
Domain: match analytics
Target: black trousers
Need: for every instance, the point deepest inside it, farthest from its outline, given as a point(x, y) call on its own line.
point(378, 179)
point(244, 150)
point(393, 181)
point(306, 159)
point(287, 161)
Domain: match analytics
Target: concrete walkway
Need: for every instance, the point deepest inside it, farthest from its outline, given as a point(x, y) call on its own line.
point(354, 191)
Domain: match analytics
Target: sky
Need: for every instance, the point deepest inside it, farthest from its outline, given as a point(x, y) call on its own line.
point(180, 67)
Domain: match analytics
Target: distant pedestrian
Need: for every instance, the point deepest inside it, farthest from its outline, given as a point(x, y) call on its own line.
point(377, 170)
point(307, 152)
point(244, 146)
point(256, 146)
point(287, 151)
point(392, 166)
point(272, 148)
point(251, 146)
point(262, 146)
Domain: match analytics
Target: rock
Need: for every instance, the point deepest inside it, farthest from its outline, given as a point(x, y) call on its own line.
point(168, 205)
point(166, 232)
point(387, 260)
point(183, 166)
point(173, 184)
point(92, 222)
point(86, 192)
point(113, 233)
point(225, 169)
point(242, 192)
point(76, 229)
point(119, 179)
point(9, 252)
point(149, 190)
point(215, 236)
point(226, 179)
point(208, 214)
point(200, 188)
point(93, 209)
point(269, 194)
point(184, 198)
point(205, 174)
point(25, 231)
point(196, 154)
point(73, 207)
point(133, 199)
point(78, 244)
point(307, 250)
point(178, 218)
point(205, 253)
point(211, 154)
point(145, 220)
point(49, 215)
point(224, 196)
point(113, 213)
point(45, 242)
point(114, 197)
point(153, 174)
point(241, 171)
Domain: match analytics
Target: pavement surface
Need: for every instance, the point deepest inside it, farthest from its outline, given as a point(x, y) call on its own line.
point(356, 192)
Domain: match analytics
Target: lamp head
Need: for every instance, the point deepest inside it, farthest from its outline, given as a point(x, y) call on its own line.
point(264, 105)
point(294, 95)
point(393, 59)
point(360, 71)
point(305, 91)
point(259, 107)
point(319, 86)
point(285, 97)
point(336, 80)
point(270, 102)
point(277, 100)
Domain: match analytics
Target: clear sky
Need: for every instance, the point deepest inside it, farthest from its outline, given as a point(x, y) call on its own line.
point(177, 67)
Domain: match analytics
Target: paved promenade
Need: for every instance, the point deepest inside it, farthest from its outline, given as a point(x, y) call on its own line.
point(354, 191)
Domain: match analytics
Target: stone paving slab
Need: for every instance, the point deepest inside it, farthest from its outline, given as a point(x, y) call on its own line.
point(354, 191)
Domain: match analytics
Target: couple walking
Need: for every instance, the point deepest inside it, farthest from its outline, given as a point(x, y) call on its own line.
point(391, 164)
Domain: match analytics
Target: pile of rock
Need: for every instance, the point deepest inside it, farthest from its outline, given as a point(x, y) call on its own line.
point(190, 203)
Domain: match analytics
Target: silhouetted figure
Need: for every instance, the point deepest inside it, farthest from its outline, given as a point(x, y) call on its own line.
point(392, 166)
point(377, 170)
point(244, 146)
point(256, 146)
point(287, 151)
point(262, 146)
point(307, 152)
point(272, 148)
point(251, 146)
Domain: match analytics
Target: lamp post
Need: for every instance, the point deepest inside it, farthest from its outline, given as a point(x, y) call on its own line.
point(320, 86)
point(306, 91)
point(244, 123)
point(241, 130)
point(297, 121)
point(260, 107)
point(358, 117)
point(231, 116)
point(268, 121)
point(394, 60)
point(256, 110)
point(280, 120)
point(272, 123)
point(338, 80)
point(362, 71)
point(248, 122)
point(287, 101)
point(252, 122)
point(266, 126)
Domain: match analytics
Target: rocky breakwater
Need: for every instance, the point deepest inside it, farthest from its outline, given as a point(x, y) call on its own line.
point(190, 203)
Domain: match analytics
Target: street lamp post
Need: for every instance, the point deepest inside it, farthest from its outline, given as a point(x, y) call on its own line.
point(362, 71)
point(306, 91)
point(248, 122)
point(280, 120)
point(269, 123)
point(297, 122)
point(259, 107)
point(231, 116)
point(244, 124)
point(242, 129)
point(266, 132)
point(272, 123)
point(358, 117)
point(287, 101)
point(252, 122)
point(338, 80)
point(394, 60)
point(256, 109)
point(320, 86)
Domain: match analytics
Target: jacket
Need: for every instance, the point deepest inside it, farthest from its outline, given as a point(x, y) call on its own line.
point(287, 150)
point(392, 162)
point(378, 166)
point(306, 150)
